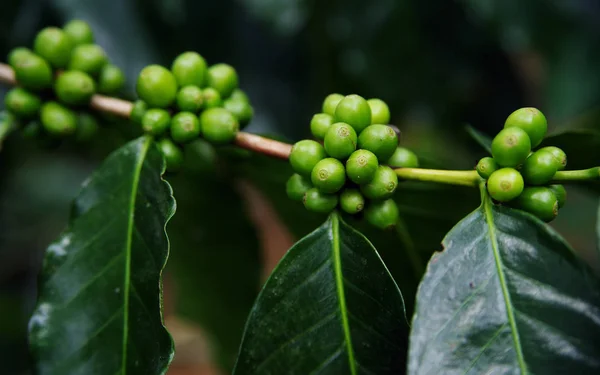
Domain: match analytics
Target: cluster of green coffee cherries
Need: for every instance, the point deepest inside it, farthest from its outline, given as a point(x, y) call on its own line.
point(56, 81)
point(188, 101)
point(518, 175)
point(350, 162)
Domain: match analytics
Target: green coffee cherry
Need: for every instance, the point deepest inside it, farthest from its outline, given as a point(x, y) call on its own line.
point(320, 124)
point(156, 121)
point(33, 72)
point(54, 45)
point(505, 184)
point(539, 168)
point(57, 119)
point(172, 154)
point(355, 111)
point(383, 185)
point(22, 103)
point(88, 58)
point(381, 140)
point(330, 103)
point(511, 147)
point(328, 175)
point(486, 166)
point(185, 127)
point(317, 201)
point(156, 86)
point(79, 32)
point(189, 68)
point(241, 109)
point(32, 130)
point(190, 99)
point(340, 140)
point(380, 112)
point(17, 54)
point(297, 186)
point(239, 94)
point(223, 78)
point(532, 121)
point(382, 214)
point(138, 111)
point(561, 194)
point(87, 127)
point(352, 201)
point(212, 98)
point(305, 155)
point(539, 201)
point(74, 87)
point(361, 166)
point(218, 125)
point(403, 158)
point(111, 80)
point(559, 155)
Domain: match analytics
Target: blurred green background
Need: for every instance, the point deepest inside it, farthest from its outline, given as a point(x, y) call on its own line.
point(439, 65)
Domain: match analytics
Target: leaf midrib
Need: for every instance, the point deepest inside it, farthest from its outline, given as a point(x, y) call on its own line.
point(489, 219)
point(130, 225)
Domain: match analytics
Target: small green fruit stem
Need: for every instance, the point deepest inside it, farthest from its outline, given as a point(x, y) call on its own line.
point(581, 175)
point(462, 178)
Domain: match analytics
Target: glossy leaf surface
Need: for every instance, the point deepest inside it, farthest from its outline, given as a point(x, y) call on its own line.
point(330, 307)
point(99, 305)
point(506, 296)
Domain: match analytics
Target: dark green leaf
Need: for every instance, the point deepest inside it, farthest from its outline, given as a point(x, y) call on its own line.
point(330, 307)
point(507, 295)
point(483, 140)
point(99, 307)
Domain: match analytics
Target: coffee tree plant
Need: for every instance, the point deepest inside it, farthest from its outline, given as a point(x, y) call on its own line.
point(506, 295)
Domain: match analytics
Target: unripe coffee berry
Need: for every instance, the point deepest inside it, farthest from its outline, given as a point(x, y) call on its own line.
point(539, 201)
point(74, 87)
point(511, 147)
point(403, 158)
point(87, 127)
point(320, 124)
point(361, 166)
point(352, 201)
point(223, 78)
point(355, 111)
point(88, 58)
point(218, 125)
point(156, 121)
point(111, 80)
point(33, 72)
point(560, 192)
point(239, 94)
point(305, 155)
point(383, 185)
point(297, 186)
point(54, 45)
point(58, 120)
point(17, 54)
point(189, 68)
point(241, 109)
point(340, 140)
point(190, 99)
point(328, 175)
point(172, 154)
point(505, 184)
point(381, 140)
point(185, 127)
point(156, 86)
point(79, 32)
point(380, 112)
point(331, 102)
point(138, 111)
point(559, 155)
point(33, 129)
point(382, 214)
point(212, 98)
point(539, 168)
point(317, 201)
point(532, 121)
point(22, 103)
point(486, 166)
